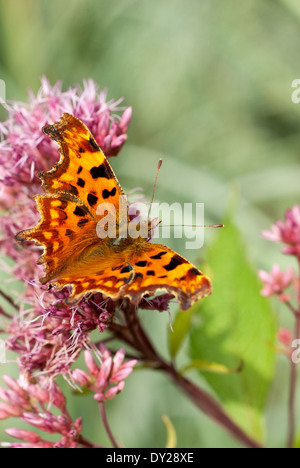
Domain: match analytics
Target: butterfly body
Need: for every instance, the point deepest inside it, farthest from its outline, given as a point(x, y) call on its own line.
point(75, 255)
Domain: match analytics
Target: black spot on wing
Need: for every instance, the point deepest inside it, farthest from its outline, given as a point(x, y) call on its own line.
point(150, 273)
point(141, 264)
point(81, 150)
point(138, 276)
point(69, 232)
point(79, 211)
point(79, 169)
point(158, 256)
point(174, 263)
point(106, 193)
point(82, 222)
point(92, 199)
point(127, 269)
point(62, 215)
point(81, 182)
point(100, 172)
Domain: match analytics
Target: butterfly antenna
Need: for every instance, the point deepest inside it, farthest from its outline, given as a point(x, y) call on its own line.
point(155, 183)
point(195, 225)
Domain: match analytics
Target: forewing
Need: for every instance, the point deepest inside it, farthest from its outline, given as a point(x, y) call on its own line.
point(83, 171)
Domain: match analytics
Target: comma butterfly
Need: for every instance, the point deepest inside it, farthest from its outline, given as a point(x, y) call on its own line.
point(74, 254)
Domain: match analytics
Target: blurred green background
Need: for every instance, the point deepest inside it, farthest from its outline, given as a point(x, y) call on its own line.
point(210, 86)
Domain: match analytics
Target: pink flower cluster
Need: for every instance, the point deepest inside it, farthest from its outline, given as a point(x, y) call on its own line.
point(29, 402)
point(276, 282)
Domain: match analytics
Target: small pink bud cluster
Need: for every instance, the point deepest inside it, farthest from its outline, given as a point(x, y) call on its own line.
point(287, 232)
point(276, 282)
point(107, 380)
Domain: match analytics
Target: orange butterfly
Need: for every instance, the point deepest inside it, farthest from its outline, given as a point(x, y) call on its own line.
point(75, 255)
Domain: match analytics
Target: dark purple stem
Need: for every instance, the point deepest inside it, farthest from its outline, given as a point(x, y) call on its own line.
point(5, 314)
point(8, 299)
point(106, 425)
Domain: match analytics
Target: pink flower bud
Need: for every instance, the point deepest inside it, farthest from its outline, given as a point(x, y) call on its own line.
point(119, 141)
point(28, 436)
point(13, 385)
point(99, 397)
point(114, 130)
point(103, 126)
point(38, 393)
point(122, 374)
point(57, 397)
point(113, 391)
point(106, 145)
point(105, 370)
point(81, 377)
point(90, 363)
point(104, 352)
point(78, 425)
point(38, 421)
point(118, 359)
point(10, 409)
point(125, 119)
point(4, 414)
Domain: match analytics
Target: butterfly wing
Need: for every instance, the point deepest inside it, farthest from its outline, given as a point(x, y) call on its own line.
point(66, 230)
point(74, 188)
point(158, 269)
point(83, 171)
point(119, 274)
point(100, 271)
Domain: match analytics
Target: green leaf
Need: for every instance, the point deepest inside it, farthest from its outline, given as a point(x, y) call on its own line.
point(214, 367)
point(236, 324)
point(181, 326)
